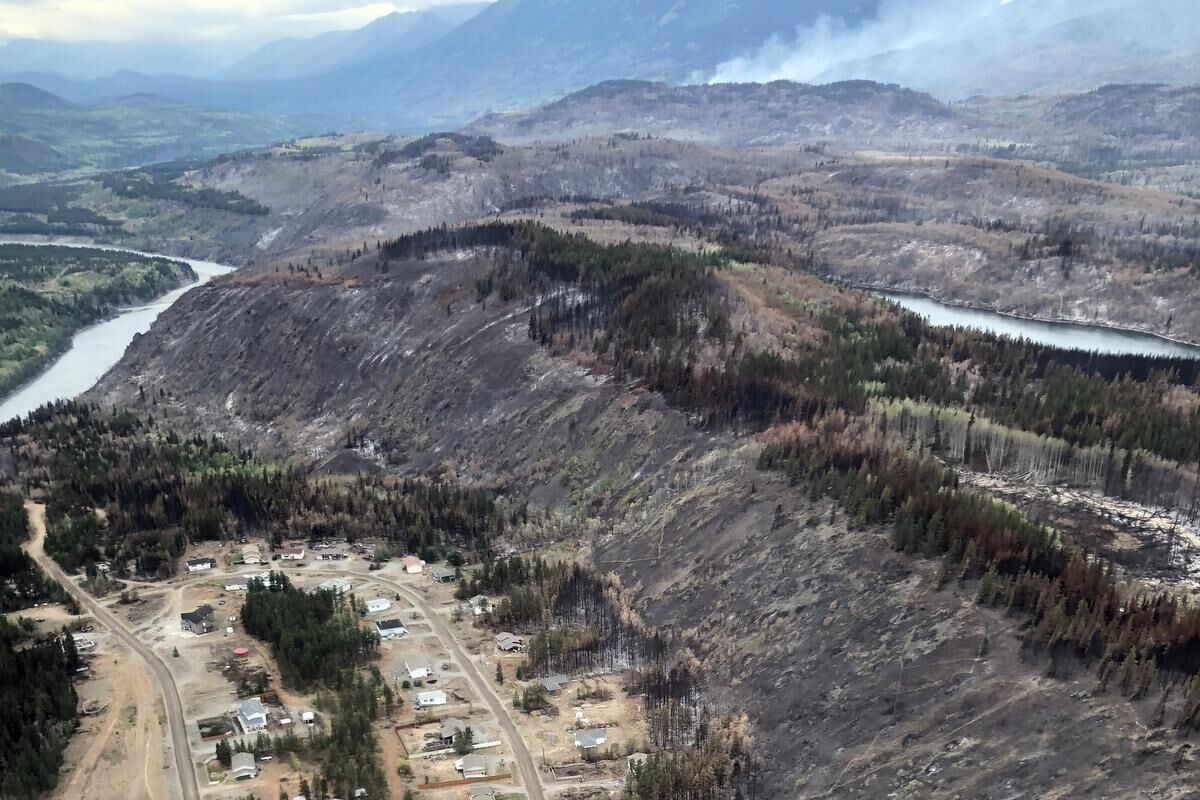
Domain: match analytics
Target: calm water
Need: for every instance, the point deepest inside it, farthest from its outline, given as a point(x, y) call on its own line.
point(1059, 334)
point(96, 349)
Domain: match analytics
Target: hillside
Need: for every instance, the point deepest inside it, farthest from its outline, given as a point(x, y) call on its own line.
point(387, 37)
point(742, 114)
point(859, 675)
point(122, 132)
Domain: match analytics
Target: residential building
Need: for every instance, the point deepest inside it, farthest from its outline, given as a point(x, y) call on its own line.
point(418, 669)
point(236, 586)
point(443, 575)
point(200, 564)
point(509, 643)
point(390, 628)
point(431, 699)
point(481, 791)
point(591, 739)
point(378, 605)
point(243, 767)
point(292, 554)
point(554, 683)
point(308, 717)
point(635, 760)
point(450, 728)
point(252, 715)
point(472, 766)
point(480, 605)
point(251, 554)
point(336, 585)
point(199, 621)
point(413, 565)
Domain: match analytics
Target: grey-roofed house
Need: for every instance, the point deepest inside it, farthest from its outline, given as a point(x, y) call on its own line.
point(473, 766)
point(198, 621)
point(201, 564)
point(591, 739)
point(418, 668)
point(451, 727)
point(443, 574)
point(481, 792)
point(243, 767)
point(509, 642)
point(252, 714)
point(554, 683)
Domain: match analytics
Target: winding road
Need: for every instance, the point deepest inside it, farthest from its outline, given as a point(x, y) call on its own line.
point(184, 766)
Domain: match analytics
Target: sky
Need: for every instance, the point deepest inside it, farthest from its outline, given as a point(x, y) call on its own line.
point(218, 22)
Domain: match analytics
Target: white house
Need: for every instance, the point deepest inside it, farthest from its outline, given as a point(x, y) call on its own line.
point(251, 554)
point(335, 585)
point(378, 605)
point(243, 767)
point(200, 564)
point(480, 605)
point(589, 740)
point(390, 628)
point(252, 714)
point(292, 554)
point(413, 565)
point(418, 669)
point(431, 699)
point(236, 586)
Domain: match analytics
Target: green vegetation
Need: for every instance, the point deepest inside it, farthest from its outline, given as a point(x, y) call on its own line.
point(164, 184)
point(21, 582)
point(39, 702)
point(159, 491)
point(56, 135)
point(49, 293)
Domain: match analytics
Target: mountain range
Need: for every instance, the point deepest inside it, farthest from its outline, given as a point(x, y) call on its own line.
point(442, 67)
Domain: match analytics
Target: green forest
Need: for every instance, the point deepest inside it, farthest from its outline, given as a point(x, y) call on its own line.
point(39, 717)
point(48, 293)
point(160, 490)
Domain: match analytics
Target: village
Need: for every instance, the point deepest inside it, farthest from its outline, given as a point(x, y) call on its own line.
point(463, 726)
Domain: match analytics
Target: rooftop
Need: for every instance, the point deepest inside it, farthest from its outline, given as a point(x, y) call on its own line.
point(389, 624)
point(251, 707)
point(591, 738)
point(242, 761)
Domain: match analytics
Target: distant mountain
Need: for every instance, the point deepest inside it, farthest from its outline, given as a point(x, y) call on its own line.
point(386, 37)
point(42, 133)
point(86, 60)
point(739, 114)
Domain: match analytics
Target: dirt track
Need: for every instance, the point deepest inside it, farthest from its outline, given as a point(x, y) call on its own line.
point(185, 769)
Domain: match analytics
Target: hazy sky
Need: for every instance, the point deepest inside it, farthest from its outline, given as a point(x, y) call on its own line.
point(231, 22)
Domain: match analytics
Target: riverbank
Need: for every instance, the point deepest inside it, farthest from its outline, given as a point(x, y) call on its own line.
point(92, 350)
point(1058, 332)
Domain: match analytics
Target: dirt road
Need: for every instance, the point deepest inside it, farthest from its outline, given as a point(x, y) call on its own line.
point(530, 776)
point(184, 766)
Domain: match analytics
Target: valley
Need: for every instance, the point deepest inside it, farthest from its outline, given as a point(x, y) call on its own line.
point(526, 406)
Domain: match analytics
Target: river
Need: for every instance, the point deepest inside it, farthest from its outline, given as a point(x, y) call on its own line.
point(1068, 335)
point(97, 348)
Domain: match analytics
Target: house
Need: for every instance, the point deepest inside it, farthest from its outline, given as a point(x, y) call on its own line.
point(243, 767)
point(308, 717)
point(199, 621)
point(480, 605)
point(236, 586)
point(636, 760)
point(509, 643)
point(412, 565)
point(555, 683)
point(252, 715)
point(378, 604)
point(418, 669)
point(443, 575)
point(336, 585)
point(481, 792)
point(431, 699)
point(251, 554)
point(591, 739)
point(451, 727)
point(292, 554)
point(472, 766)
point(200, 564)
point(390, 628)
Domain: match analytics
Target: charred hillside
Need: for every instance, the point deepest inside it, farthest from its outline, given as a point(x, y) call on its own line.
point(512, 359)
